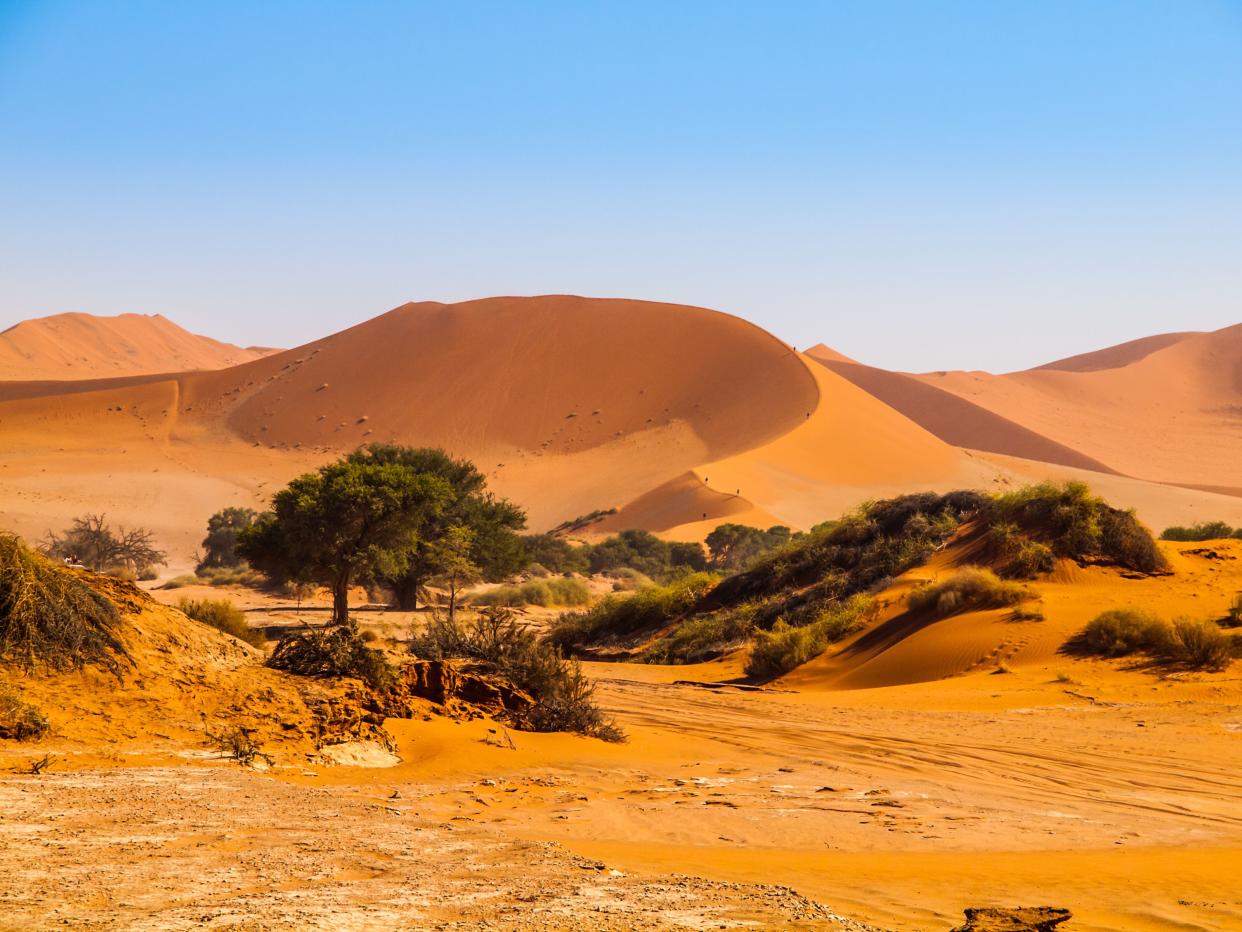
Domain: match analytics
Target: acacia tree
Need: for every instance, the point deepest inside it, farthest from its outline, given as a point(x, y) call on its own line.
point(99, 547)
point(456, 568)
point(348, 521)
point(495, 547)
point(220, 544)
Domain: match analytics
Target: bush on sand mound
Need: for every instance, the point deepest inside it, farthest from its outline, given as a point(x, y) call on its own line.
point(51, 617)
point(968, 589)
point(337, 650)
point(224, 616)
point(564, 699)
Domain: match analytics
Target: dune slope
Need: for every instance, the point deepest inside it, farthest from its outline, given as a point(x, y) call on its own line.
point(83, 346)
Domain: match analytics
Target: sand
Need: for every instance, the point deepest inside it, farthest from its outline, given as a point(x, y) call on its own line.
point(83, 346)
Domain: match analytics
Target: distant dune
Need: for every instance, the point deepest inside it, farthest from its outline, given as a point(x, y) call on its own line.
point(1168, 409)
point(83, 346)
point(680, 418)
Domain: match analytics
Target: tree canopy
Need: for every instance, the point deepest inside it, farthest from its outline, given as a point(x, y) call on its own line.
point(220, 544)
point(348, 521)
point(494, 547)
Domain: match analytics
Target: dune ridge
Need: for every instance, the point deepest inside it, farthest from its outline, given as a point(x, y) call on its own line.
point(80, 346)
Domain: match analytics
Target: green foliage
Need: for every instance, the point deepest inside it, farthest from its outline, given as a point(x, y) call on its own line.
point(1074, 523)
point(1205, 530)
point(563, 696)
point(703, 638)
point(1120, 632)
point(556, 554)
point(50, 617)
point(92, 543)
point(19, 720)
point(643, 551)
point(625, 579)
point(969, 589)
point(348, 521)
point(1194, 643)
point(550, 591)
point(219, 577)
point(220, 544)
point(785, 647)
point(495, 547)
point(224, 616)
point(620, 615)
point(338, 650)
point(734, 547)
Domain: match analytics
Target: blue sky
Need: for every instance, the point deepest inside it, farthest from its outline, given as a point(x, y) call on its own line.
point(922, 185)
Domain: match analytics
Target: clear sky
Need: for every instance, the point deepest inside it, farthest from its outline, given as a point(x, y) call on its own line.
point(921, 185)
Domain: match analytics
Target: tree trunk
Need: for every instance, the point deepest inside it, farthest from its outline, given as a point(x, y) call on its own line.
point(452, 600)
point(340, 600)
point(405, 592)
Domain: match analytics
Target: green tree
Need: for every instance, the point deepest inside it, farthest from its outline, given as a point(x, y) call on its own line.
point(455, 565)
point(495, 547)
point(346, 522)
point(735, 546)
point(555, 553)
point(220, 544)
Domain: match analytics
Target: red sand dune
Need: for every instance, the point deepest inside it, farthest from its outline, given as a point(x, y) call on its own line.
point(1167, 409)
point(82, 346)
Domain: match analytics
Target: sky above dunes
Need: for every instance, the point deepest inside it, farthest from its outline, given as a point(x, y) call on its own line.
point(920, 185)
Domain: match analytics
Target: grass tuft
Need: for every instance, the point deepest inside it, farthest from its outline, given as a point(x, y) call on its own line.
point(969, 589)
point(224, 616)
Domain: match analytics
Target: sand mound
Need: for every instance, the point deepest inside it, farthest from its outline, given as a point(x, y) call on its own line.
point(83, 346)
point(1167, 409)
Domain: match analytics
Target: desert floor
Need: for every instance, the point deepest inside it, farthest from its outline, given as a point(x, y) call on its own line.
point(1115, 795)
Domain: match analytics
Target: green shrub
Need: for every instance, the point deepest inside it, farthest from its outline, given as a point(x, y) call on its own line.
point(50, 617)
point(1078, 525)
point(1233, 614)
point(1121, 632)
point(968, 589)
point(224, 616)
point(554, 590)
point(1205, 530)
point(625, 579)
point(705, 637)
point(337, 650)
point(783, 648)
point(19, 720)
point(1201, 644)
point(563, 696)
point(620, 615)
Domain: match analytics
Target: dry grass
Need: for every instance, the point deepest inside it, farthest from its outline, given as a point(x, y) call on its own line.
point(19, 720)
point(224, 616)
point(969, 589)
point(51, 618)
point(785, 647)
point(1124, 632)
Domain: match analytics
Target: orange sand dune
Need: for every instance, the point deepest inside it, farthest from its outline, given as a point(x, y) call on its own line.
point(956, 420)
point(1170, 413)
point(82, 346)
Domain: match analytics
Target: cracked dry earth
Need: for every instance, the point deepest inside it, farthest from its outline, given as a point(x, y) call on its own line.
point(215, 848)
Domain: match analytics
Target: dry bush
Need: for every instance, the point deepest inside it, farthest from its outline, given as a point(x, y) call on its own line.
point(969, 588)
point(1120, 632)
point(1201, 644)
point(1233, 614)
point(549, 591)
point(50, 617)
point(564, 699)
point(785, 647)
point(19, 720)
point(237, 744)
point(224, 616)
point(337, 650)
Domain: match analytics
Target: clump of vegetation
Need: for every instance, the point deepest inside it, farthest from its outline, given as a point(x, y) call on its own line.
point(625, 579)
point(49, 617)
point(237, 744)
point(704, 637)
point(338, 650)
point(19, 720)
point(620, 615)
point(1204, 530)
point(967, 589)
point(1233, 614)
point(784, 647)
point(1072, 523)
point(131, 554)
point(563, 696)
point(546, 592)
point(1124, 632)
point(224, 616)
point(219, 577)
point(734, 547)
point(220, 544)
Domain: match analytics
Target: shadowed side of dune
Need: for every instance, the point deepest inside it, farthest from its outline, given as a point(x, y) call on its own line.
point(956, 420)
